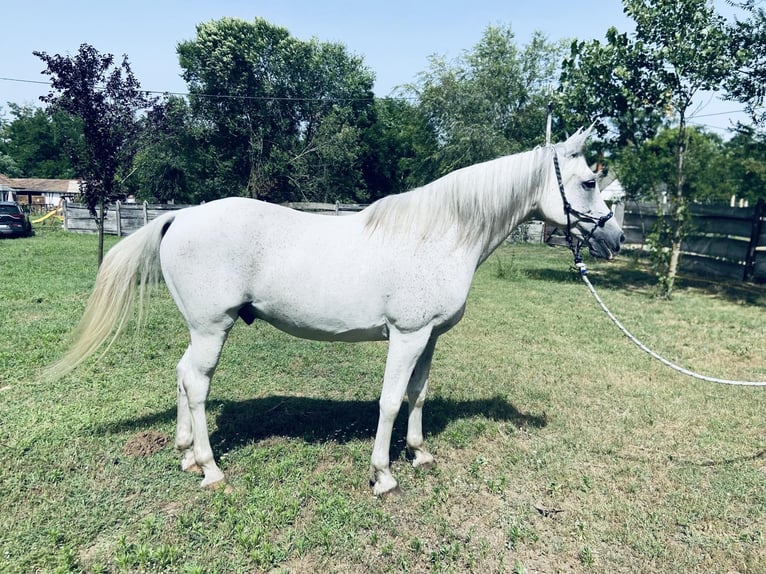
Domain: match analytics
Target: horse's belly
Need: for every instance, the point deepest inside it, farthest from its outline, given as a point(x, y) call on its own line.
point(323, 328)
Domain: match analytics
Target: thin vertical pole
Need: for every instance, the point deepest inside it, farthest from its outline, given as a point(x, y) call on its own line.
point(548, 124)
point(118, 213)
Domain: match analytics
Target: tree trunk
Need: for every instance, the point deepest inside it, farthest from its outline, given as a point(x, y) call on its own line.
point(675, 256)
point(678, 213)
point(100, 227)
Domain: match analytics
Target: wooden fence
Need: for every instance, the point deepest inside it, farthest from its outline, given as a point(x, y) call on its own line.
point(326, 208)
point(727, 242)
point(125, 218)
point(121, 218)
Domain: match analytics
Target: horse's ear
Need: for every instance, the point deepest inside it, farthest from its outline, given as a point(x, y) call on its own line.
point(575, 142)
point(589, 130)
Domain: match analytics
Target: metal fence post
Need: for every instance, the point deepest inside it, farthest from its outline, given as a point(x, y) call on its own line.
point(755, 233)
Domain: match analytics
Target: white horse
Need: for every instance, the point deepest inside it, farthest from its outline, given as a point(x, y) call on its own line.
point(399, 270)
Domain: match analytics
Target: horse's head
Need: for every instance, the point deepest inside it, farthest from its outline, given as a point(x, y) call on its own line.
point(572, 200)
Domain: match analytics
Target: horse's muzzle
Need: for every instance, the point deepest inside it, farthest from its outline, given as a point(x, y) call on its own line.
point(605, 241)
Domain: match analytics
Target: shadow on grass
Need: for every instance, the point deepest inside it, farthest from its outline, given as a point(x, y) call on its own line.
point(631, 274)
point(681, 461)
point(321, 420)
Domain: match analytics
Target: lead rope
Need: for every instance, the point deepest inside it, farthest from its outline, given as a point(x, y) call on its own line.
point(584, 274)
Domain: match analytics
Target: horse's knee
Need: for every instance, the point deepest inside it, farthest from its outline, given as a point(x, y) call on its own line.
point(388, 409)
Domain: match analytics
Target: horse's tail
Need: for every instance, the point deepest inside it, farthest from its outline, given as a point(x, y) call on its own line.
point(125, 278)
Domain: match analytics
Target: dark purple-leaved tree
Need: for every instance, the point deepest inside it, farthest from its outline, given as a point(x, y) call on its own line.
point(107, 99)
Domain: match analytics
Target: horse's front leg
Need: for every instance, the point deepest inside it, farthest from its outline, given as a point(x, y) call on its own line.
point(416, 396)
point(404, 350)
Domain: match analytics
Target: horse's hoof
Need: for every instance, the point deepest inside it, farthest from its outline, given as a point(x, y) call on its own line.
point(193, 468)
point(428, 465)
point(393, 493)
point(423, 461)
point(219, 485)
point(386, 485)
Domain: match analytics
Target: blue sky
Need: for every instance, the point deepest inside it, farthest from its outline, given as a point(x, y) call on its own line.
point(395, 38)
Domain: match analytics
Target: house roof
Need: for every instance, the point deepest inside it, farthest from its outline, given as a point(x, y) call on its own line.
point(5, 183)
point(38, 185)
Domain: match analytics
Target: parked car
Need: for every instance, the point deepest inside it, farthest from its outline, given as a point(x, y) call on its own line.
point(13, 221)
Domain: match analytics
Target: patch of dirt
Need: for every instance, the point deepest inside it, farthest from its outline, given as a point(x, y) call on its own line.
point(145, 443)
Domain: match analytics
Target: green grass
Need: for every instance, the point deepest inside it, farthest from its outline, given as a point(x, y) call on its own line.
point(560, 446)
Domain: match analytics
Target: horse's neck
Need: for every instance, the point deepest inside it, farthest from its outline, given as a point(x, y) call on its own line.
point(476, 207)
point(517, 198)
point(499, 235)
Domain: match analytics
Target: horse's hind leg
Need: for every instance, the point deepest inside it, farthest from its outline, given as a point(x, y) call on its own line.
point(195, 369)
point(416, 396)
point(184, 437)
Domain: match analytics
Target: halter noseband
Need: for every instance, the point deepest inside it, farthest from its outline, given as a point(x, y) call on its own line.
point(569, 210)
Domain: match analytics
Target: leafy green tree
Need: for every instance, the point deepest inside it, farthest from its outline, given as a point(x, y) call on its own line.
point(748, 83)
point(283, 116)
point(398, 147)
point(679, 49)
point(610, 86)
point(38, 142)
point(171, 164)
point(744, 155)
point(8, 166)
point(646, 170)
point(106, 100)
point(490, 102)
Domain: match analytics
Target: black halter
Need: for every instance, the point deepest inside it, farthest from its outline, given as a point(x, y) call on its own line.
point(569, 210)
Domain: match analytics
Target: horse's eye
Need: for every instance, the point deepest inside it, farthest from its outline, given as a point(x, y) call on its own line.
point(590, 184)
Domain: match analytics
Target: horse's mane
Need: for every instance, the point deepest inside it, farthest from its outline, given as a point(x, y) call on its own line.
point(476, 202)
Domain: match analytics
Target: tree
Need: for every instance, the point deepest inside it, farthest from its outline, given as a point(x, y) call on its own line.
point(744, 155)
point(645, 170)
point(106, 99)
point(284, 117)
point(7, 164)
point(172, 158)
point(748, 83)
point(490, 102)
point(609, 85)
point(37, 142)
point(399, 146)
point(679, 48)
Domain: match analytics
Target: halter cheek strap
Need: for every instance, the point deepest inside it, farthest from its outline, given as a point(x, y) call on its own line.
point(569, 211)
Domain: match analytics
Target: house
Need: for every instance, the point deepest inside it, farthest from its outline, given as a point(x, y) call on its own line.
point(38, 193)
point(613, 194)
point(6, 189)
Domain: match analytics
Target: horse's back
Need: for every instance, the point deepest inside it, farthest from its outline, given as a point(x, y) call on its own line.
point(290, 268)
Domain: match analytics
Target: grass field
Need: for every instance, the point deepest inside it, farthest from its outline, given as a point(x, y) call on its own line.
point(560, 446)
